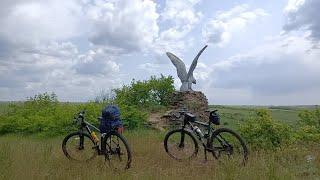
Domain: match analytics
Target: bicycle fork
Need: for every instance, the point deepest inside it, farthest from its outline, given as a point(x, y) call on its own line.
point(181, 144)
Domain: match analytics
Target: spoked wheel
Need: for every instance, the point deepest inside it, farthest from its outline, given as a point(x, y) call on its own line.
point(181, 144)
point(79, 147)
point(227, 145)
point(118, 153)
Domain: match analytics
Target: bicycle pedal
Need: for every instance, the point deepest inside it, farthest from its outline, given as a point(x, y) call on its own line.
point(95, 147)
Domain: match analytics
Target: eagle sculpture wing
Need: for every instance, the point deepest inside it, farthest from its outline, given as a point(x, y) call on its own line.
point(181, 67)
point(194, 63)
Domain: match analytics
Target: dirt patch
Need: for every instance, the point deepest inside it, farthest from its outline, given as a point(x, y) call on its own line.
point(156, 122)
point(194, 101)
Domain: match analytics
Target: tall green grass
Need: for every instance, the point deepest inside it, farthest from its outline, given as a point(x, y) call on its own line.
point(40, 158)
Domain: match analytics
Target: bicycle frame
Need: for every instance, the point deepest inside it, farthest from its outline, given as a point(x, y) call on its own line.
point(208, 127)
point(86, 126)
point(206, 145)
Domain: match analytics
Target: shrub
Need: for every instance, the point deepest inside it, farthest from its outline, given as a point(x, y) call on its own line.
point(145, 94)
point(263, 132)
point(140, 97)
point(309, 125)
point(44, 114)
point(311, 118)
point(132, 117)
point(39, 114)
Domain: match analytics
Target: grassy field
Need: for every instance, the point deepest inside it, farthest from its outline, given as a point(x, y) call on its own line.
point(37, 157)
point(233, 115)
point(34, 158)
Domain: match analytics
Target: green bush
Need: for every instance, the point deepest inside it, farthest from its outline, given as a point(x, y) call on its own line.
point(39, 114)
point(132, 117)
point(141, 97)
point(50, 117)
point(309, 125)
point(44, 114)
point(146, 94)
point(263, 132)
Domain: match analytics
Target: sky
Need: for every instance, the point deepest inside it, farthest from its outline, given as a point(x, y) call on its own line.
point(259, 52)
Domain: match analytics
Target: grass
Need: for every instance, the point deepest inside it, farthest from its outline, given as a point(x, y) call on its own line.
point(233, 115)
point(36, 157)
point(39, 158)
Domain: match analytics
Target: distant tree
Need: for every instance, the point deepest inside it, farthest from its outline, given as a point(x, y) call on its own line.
point(105, 96)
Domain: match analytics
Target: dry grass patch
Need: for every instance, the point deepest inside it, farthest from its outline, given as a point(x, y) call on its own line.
point(34, 158)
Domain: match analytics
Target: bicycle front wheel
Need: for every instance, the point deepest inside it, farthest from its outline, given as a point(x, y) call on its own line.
point(227, 145)
point(79, 147)
point(117, 151)
point(181, 144)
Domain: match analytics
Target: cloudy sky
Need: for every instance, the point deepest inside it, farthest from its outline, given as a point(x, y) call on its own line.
point(260, 52)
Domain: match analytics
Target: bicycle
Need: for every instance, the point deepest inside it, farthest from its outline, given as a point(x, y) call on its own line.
point(181, 144)
point(83, 145)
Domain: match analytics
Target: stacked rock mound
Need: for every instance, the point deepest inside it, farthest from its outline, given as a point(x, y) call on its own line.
point(195, 102)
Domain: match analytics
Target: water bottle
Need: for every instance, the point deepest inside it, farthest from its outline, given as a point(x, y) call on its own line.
point(198, 131)
point(94, 137)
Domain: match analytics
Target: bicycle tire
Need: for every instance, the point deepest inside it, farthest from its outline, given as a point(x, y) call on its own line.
point(109, 151)
point(184, 133)
point(218, 132)
point(76, 136)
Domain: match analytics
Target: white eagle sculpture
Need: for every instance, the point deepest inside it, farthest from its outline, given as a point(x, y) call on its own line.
point(186, 78)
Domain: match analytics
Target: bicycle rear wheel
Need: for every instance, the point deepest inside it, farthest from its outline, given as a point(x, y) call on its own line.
point(117, 151)
point(227, 145)
point(79, 147)
point(181, 145)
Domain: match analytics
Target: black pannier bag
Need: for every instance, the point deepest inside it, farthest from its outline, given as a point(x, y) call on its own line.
point(214, 118)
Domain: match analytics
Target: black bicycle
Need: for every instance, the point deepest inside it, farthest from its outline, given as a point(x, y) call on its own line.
point(223, 143)
point(83, 145)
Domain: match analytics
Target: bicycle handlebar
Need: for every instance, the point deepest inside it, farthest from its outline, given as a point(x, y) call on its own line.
point(80, 115)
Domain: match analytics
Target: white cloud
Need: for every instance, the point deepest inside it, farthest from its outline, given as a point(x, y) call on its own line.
point(225, 24)
point(182, 17)
point(202, 71)
point(31, 22)
point(150, 67)
point(181, 12)
point(179, 17)
point(95, 62)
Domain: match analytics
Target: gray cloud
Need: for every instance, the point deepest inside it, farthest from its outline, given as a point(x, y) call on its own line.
point(36, 54)
point(124, 24)
point(286, 74)
point(271, 73)
point(303, 15)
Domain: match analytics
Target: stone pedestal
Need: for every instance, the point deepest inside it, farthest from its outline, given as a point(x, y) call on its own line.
point(195, 102)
